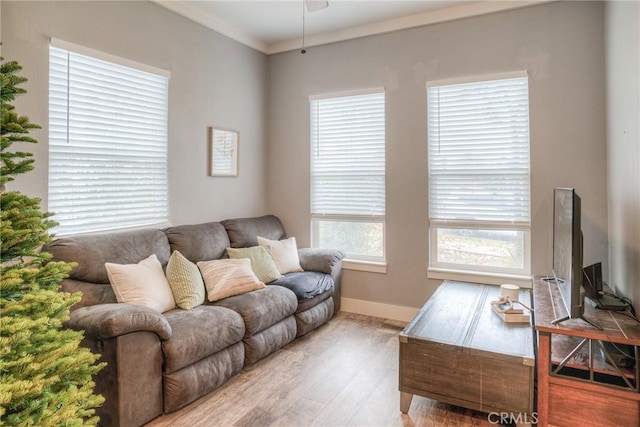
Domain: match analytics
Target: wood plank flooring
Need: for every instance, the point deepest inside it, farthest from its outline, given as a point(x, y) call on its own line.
point(343, 374)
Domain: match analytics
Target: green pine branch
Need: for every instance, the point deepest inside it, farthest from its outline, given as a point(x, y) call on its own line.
point(9, 81)
point(23, 226)
point(45, 375)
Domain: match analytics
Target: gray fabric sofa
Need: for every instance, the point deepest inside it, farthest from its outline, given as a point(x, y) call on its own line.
point(158, 363)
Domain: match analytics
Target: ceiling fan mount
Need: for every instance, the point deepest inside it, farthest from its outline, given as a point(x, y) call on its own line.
point(311, 6)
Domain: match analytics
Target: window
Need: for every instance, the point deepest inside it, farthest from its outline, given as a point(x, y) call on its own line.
point(348, 174)
point(479, 197)
point(107, 141)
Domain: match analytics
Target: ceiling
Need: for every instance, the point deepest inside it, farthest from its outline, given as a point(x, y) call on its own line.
point(273, 26)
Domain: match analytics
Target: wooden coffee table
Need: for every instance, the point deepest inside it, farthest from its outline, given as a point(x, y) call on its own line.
point(458, 351)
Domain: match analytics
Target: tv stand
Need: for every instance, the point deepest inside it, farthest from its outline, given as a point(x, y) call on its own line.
point(578, 380)
point(557, 320)
point(565, 318)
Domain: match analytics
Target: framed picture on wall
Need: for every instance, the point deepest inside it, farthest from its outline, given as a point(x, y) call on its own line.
point(223, 152)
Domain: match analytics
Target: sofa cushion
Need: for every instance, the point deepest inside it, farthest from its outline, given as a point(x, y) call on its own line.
point(194, 381)
point(142, 284)
point(92, 293)
point(306, 304)
point(91, 251)
point(185, 281)
point(306, 284)
point(314, 317)
point(243, 232)
point(261, 261)
point(284, 253)
point(199, 242)
point(273, 338)
point(199, 333)
point(262, 309)
point(227, 277)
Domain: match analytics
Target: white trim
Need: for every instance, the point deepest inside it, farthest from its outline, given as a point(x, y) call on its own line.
point(411, 21)
point(83, 50)
point(345, 93)
point(369, 266)
point(478, 78)
point(377, 309)
point(479, 277)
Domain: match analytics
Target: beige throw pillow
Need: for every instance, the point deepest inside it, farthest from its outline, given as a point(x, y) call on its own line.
point(261, 261)
point(185, 281)
point(284, 253)
point(227, 277)
point(143, 284)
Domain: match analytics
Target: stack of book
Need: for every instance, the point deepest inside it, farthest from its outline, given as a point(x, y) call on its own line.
point(512, 313)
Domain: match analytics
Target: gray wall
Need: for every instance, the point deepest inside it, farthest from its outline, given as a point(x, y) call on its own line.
point(622, 35)
point(218, 81)
point(562, 47)
point(214, 81)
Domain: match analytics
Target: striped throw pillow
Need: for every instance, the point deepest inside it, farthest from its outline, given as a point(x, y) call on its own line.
point(227, 277)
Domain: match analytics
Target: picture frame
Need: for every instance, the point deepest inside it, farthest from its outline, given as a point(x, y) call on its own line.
point(224, 145)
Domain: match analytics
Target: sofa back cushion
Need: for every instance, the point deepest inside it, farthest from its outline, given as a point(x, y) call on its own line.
point(199, 242)
point(244, 232)
point(91, 251)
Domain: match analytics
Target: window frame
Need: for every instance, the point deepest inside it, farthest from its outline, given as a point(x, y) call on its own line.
point(362, 262)
point(94, 158)
point(461, 271)
point(365, 259)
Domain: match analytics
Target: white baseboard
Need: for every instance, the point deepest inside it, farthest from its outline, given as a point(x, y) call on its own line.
point(376, 309)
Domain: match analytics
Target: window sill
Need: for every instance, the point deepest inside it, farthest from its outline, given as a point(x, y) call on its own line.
point(369, 266)
point(479, 277)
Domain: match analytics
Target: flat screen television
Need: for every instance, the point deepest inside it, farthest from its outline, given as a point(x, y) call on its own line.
point(567, 250)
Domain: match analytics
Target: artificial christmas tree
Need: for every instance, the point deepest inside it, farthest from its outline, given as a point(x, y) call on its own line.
point(45, 376)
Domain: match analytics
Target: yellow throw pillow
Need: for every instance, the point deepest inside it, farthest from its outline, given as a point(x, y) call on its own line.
point(143, 284)
point(261, 261)
point(284, 253)
point(227, 277)
point(185, 281)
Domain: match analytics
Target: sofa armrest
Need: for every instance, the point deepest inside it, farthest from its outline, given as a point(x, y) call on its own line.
point(104, 321)
point(318, 259)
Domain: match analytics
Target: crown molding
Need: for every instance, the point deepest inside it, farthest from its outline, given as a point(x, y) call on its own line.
point(411, 21)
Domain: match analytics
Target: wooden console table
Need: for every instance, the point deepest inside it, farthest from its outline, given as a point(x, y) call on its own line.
point(458, 351)
point(576, 386)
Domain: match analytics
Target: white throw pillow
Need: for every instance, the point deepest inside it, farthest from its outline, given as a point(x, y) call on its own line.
point(143, 284)
point(227, 277)
point(284, 253)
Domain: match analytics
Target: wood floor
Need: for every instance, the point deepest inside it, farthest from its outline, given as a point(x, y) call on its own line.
point(343, 374)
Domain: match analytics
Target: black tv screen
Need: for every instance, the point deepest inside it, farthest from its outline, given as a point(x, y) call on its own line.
point(567, 249)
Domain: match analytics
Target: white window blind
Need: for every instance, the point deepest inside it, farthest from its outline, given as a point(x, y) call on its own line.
point(348, 174)
point(479, 151)
point(107, 144)
point(479, 197)
point(348, 155)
